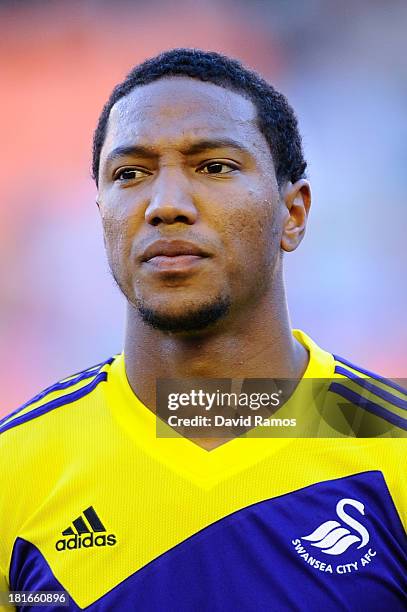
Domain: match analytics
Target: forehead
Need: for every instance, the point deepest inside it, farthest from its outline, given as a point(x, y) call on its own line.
point(176, 110)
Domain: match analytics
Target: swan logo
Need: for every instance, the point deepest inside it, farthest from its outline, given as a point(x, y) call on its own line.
point(333, 538)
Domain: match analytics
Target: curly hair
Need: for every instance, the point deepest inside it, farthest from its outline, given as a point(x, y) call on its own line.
point(275, 117)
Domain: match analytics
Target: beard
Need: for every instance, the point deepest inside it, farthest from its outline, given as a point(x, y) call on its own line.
point(190, 321)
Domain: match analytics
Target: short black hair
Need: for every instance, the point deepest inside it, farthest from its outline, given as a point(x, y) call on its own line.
point(275, 117)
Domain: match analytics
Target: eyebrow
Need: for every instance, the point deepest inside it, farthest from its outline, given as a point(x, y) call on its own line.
point(207, 145)
point(193, 149)
point(132, 150)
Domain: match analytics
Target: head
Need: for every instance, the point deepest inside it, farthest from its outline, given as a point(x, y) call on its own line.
point(201, 187)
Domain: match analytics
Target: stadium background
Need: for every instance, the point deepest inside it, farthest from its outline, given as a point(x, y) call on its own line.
point(342, 66)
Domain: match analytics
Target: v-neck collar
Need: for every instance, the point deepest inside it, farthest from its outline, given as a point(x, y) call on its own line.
point(205, 467)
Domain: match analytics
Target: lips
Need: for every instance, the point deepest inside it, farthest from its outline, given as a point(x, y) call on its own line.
point(171, 259)
point(172, 248)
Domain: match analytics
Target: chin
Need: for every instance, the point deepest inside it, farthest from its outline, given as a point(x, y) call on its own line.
point(190, 320)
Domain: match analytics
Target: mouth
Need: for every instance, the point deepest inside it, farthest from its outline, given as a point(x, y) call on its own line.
point(174, 263)
point(174, 256)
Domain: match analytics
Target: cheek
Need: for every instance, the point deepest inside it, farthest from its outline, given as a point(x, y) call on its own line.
point(252, 234)
point(121, 221)
point(117, 241)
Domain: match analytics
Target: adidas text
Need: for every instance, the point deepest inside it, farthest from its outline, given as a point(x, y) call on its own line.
point(87, 541)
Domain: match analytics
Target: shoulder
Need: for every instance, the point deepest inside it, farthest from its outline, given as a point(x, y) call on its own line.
point(63, 393)
point(374, 402)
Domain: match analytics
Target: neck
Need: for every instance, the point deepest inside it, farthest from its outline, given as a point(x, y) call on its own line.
point(254, 344)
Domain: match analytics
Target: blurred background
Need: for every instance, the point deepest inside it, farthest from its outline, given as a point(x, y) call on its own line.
point(342, 66)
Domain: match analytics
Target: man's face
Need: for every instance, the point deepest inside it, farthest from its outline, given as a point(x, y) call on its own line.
point(190, 204)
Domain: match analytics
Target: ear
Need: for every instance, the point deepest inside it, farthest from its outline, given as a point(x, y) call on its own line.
point(297, 199)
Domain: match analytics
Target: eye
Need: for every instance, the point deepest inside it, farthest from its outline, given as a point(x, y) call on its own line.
point(217, 167)
point(129, 174)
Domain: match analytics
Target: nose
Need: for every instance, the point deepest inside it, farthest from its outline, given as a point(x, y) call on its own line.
point(171, 200)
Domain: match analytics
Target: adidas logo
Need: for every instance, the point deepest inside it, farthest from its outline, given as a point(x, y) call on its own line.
point(84, 533)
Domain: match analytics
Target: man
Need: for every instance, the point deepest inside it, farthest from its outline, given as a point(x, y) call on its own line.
point(201, 189)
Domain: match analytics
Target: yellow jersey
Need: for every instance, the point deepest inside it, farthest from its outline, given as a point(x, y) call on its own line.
point(95, 504)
